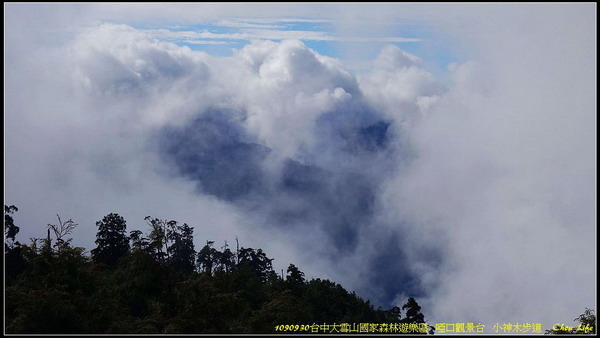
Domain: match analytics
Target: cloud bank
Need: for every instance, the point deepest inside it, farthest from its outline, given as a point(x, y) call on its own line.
point(477, 196)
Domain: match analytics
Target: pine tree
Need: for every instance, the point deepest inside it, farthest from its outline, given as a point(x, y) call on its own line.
point(413, 312)
point(255, 262)
point(414, 315)
point(181, 250)
point(207, 258)
point(226, 259)
point(111, 239)
point(294, 276)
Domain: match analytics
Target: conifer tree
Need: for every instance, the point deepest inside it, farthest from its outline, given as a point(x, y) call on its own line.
point(111, 239)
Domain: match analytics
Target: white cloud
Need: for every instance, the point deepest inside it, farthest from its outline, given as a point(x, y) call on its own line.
point(205, 42)
point(502, 183)
point(282, 28)
point(287, 88)
point(237, 23)
point(270, 34)
point(397, 85)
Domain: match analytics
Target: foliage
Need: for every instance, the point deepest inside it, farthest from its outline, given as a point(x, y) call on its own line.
point(160, 285)
point(111, 239)
point(10, 229)
point(413, 313)
point(61, 230)
point(587, 325)
point(182, 253)
point(158, 237)
point(13, 257)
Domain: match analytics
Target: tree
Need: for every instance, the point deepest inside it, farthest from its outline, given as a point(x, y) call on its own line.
point(294, 275)
point(159, 245)
point(294, 279)
point(181, 250)
point(13, 256)
point(255, 262)
point(207, 258)
point(587, 320)
point(138, 241)
point(61, 230)
point(225, 259)
point(111, 239)
point(413, 313)
point(10, 229)
point(62, 291)
point(587, 325)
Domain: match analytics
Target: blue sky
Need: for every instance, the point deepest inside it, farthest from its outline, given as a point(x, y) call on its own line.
point(220, 37)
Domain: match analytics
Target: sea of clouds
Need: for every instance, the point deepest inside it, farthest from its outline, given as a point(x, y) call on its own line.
point(477, 195)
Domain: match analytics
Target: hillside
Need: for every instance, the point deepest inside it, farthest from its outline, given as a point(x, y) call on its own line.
point(132, 283)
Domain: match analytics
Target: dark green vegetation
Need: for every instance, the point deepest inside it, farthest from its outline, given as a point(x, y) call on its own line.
point(586, 325)
point(133, 283)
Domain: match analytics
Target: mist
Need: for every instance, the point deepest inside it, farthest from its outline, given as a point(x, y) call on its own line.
point(474, 192)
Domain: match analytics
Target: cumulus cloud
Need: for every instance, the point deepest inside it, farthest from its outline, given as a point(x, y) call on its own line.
point(277, 133)
point(397, 84)
point(287, 88)
point(477, 196)
point(498, 171)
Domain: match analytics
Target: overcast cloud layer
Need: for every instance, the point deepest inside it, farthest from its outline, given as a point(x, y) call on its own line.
point(476, 194)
